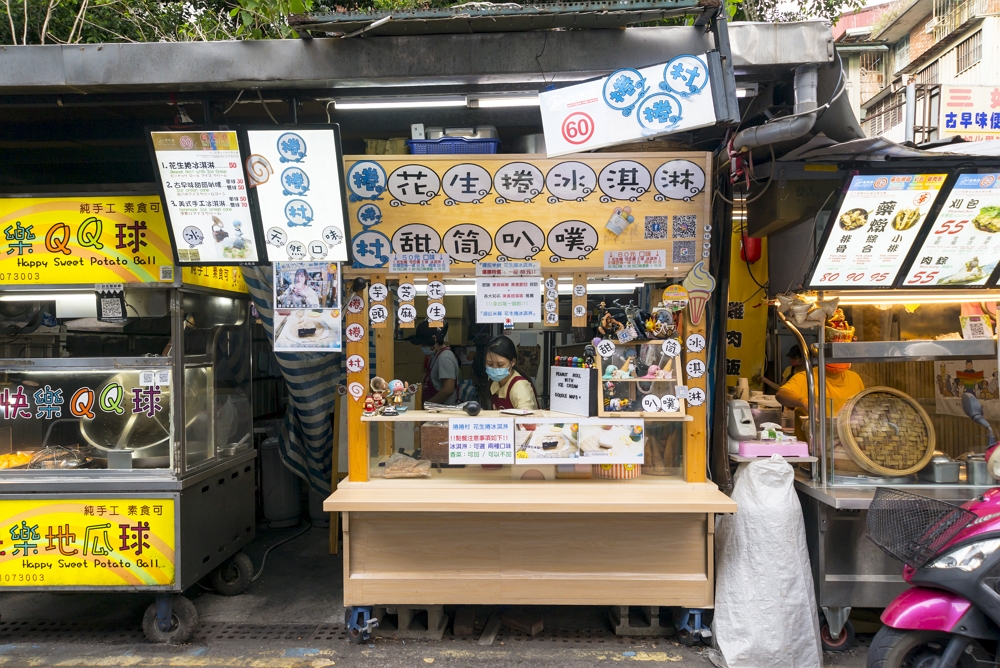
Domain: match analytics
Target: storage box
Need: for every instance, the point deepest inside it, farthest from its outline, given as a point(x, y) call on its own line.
point(434, 442)
point(780, 207)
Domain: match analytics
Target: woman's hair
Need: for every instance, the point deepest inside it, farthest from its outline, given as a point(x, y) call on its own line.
point(502, 346)
point(303, 273)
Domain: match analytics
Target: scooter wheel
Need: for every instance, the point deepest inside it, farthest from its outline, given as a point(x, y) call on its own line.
point(842, 643)
point(893, 648)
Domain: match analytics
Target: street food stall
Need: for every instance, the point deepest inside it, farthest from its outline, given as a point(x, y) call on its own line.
point(898, 310)
point(461, 505)
point(126, 461)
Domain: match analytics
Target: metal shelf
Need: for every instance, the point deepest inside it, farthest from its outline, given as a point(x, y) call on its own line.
point(910, 351)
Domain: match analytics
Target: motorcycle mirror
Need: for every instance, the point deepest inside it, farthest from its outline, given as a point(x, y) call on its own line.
point(974, 409)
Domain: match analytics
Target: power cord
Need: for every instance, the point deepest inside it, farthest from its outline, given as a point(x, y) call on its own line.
point(263, 560)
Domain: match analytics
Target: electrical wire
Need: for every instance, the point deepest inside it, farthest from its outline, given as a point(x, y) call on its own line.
point(263, 560)
point(264, 104)
point(719, 194)
point(230, 107)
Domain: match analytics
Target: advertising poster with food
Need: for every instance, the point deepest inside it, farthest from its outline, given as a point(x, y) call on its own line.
point(877, 225)
point(581, 441)
point(307, 306)
point(201, 178)
point(977, 377)
point(963, 246)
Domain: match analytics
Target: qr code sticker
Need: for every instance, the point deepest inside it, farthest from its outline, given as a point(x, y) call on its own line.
point(111, 307)
point(166, 273)
point(656, 227)
point(685, 227)
point(684, 252)
point(977, 330)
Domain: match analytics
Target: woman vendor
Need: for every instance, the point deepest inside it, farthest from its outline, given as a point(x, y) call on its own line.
point(510, 389)
point(841, 385)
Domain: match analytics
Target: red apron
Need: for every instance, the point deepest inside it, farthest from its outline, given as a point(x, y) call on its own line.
point(500, 404)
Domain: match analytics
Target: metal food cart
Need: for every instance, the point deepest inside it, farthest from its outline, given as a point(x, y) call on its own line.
point(126, 461)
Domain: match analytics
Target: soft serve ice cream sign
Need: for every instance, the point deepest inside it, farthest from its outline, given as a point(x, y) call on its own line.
point(627, 105)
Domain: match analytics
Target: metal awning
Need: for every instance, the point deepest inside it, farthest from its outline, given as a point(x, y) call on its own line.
point(478, 17)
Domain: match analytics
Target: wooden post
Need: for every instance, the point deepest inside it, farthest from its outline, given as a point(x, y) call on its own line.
point(551, 306)
point(385, 354)
point(357, 386)
point(696, 432)
point(338, 406)
point(579, 299)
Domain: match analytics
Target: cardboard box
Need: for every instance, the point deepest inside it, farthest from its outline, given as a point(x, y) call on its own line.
point(782, 206)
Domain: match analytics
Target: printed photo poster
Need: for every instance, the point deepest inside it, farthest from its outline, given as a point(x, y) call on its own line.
point(201, 176)
point(297, 180)
point(952, 379)
point(579, 441)
point(566, 214)
point(963, 245)
point(307, 307)
point(878, 222)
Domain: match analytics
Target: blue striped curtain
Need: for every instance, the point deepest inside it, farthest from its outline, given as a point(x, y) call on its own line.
point(312, 380)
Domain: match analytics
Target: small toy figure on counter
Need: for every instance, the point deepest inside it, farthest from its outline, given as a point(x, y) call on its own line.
point(633, 322)
point(610, 372)
point(397, 389)
point(652, 372)
point(628, 368)
point(606, 323)
point(590, 352)
point(660, 324)
point(370, 406)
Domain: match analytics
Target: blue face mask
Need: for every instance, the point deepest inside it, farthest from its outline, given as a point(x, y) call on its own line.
point(426, 350)
point(496, 375)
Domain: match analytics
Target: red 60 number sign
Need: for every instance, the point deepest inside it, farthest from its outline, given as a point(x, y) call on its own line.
point(578, 128)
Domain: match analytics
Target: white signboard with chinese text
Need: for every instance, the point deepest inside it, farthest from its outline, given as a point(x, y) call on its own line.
point(635, 260)
point(419, 263)
point(205, 196)
point(481, 440)
point(970, 112)
point(509, 300)
point(878, 222)
point(627, 105)
point(963, 245)
point(581, 441)
point(509, 269)
point(297, 177)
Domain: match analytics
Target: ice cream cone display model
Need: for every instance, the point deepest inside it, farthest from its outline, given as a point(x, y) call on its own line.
point(699, 285)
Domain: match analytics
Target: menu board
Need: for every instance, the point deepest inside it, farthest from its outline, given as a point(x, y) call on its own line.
point(963, 245)
point(296, 179)
point(204, 193)
point(879, 220)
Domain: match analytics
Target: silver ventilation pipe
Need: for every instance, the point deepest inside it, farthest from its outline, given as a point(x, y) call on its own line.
point(791, 127)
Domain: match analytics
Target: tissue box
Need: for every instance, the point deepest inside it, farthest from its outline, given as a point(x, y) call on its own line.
point(768, 448)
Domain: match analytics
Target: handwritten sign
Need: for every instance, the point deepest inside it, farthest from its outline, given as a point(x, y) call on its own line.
point(481, 441)
point(573, 391)
point(509, 300)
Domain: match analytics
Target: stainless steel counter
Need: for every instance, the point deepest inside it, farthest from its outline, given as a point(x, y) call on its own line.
point(859, 497)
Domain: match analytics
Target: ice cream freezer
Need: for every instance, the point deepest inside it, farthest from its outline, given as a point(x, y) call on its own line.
point(126, 461)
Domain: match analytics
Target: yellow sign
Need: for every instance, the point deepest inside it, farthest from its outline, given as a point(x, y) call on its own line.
point(746, 312)
point(91, 542)
point(84, 240)
point(220, 278)
point(566, 213)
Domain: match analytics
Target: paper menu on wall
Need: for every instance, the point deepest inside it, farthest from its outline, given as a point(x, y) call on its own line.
point(878, 222)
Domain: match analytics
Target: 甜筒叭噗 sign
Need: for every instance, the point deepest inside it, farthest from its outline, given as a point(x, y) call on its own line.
point(563, 213)
point(87, 542)
point(84, 240)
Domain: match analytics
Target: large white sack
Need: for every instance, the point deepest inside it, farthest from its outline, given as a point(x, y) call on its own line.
point(765, 605)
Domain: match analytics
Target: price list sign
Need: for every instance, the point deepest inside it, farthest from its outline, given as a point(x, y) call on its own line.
point(205, 194)
point(481, 441)
point(874, 230)
point(963, 245)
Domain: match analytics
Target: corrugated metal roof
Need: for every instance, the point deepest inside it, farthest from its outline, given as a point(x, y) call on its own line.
point(474, 17)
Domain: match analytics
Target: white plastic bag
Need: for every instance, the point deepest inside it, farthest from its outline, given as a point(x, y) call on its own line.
point(765, 604)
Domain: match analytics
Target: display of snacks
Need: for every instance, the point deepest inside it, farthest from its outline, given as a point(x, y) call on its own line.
point(838, 330)
point(15, 460)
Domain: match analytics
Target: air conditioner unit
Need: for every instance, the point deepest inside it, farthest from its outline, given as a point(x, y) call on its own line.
point(930, 25)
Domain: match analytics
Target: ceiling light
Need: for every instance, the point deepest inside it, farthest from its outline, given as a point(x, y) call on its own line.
point(416, 102)
point(746, 90)
point(505, 100)
point(45, 296)
point(914, 297)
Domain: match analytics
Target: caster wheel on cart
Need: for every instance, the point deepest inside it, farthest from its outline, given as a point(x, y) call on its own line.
point(233, 576)
point(183, 622)
point(844, 641)
point(686, 638)
point(355, 635)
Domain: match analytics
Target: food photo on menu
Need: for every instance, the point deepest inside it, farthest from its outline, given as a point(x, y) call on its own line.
point(307, 306)
point(555, 442)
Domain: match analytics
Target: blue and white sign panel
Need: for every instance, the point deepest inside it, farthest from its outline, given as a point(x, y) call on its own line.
point(627, 105)
point(298, 185)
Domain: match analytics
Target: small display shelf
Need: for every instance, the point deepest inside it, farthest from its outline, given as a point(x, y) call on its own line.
point(649, 356)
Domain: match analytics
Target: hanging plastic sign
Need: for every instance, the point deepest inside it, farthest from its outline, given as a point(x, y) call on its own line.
point(879, 220)
point(200, 175)
point(627, 105)
point(296, 179)
point(419, 263)
point(637, 260)
point(509, 300)
point(481, 441)
point(509, 269)
point(963, 244)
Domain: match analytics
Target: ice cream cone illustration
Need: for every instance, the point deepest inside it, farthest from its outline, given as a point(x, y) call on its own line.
point(699, 284)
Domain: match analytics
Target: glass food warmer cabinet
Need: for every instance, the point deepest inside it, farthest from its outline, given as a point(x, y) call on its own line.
point(126, 460)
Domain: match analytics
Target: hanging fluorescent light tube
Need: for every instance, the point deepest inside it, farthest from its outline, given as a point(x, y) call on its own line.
point(416, 102)
point(504, 100)
point(889, 298)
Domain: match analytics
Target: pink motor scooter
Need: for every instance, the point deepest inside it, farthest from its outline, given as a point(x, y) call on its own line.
point(951, 616)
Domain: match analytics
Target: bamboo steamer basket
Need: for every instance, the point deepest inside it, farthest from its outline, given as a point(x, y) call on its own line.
point(884, 432)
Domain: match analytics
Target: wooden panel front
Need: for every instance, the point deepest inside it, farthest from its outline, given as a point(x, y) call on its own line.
point(581, 559)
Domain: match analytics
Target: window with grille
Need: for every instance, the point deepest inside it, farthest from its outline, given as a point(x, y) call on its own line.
point(902, 53)
point(969, 52)
point(928, 75)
